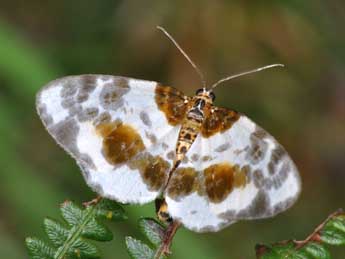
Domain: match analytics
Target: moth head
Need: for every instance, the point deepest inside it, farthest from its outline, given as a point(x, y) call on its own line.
point(205, 94)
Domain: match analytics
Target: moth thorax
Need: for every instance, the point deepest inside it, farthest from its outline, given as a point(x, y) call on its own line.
point(195, 115)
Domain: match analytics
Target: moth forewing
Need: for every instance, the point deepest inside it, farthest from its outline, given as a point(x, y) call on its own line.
point(114, 129)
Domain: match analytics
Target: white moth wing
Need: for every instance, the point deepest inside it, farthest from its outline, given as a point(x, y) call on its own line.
point(193, 210)
point(83, 112)
point(265, 180)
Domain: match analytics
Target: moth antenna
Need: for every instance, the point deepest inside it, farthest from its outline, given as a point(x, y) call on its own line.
point(244, 73)
point(201, 76)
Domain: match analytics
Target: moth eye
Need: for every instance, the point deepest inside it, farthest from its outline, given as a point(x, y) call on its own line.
point(199, 91)
point(213, 96)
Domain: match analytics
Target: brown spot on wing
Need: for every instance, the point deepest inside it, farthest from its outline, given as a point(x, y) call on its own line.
point(183, 182)
point(121, 142)
point(172, 103)
point(240, 176)
point(219, 120)
point(153, 169)
point(221, 179)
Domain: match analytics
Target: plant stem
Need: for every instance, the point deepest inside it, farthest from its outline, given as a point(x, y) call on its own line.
point(164, 248)
point(76, 231)
point(315, 236)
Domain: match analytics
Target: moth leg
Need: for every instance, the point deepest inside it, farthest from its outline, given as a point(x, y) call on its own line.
point(92, 202)
point(162, 211)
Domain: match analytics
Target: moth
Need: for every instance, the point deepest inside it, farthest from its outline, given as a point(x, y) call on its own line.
point(136, 141)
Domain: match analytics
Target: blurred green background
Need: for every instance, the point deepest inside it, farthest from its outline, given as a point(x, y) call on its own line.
point(302, 105)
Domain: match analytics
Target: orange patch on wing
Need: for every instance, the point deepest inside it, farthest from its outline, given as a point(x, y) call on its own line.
point(183, 182)
point(218, 121)
point(221, 179)
point(172, 103)
point(121, 141)
point(153, 169)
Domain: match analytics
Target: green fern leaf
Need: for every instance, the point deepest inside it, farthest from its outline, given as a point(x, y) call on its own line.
point(138, 250)
point(315, 250)
point(153, 230)
point(38, 249)
point(331, 232)
point(83, 249)
point(334, 231)
point(110, 210)
point(97, 231)
point(71, 213)
point(155, 233)
point(56, 232)
point(70, 241)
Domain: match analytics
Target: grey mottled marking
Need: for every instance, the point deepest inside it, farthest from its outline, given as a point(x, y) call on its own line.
point(282, 175)
point(121, 82)
point(75, 109)
point(211, 228)
point(151, 137)
point(171, 155)
point(273, 181)
point(104, 117)
point(111, 94)
point(165, 146)
point(71, 105)
point(84, 160)
point(88, 84)
point(222, 147)
point(67, 102)
point(82, 86)
point(258, 178)
point(82, 97)
point(260, 132)
point(206, 158)
point(283, 205)
point(69, 89)
point(276, 156)
point(193, 212)
point(65, 133)
point(260, 207)
point(145, 118)
point(258, 149)
point(42, 111)
point(195, 157)
point(230, 214)
point(88, 114)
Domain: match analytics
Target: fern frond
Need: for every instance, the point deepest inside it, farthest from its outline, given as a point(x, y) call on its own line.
point(155, 233)
point(70, 239)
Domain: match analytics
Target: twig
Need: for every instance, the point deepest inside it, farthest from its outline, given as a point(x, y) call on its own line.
point(315, 236)
point(164, 248)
